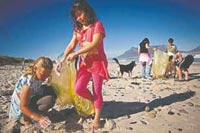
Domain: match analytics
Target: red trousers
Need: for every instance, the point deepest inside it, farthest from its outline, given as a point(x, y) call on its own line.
point(82, 80)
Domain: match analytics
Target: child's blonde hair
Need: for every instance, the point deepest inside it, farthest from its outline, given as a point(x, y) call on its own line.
point(44, 62)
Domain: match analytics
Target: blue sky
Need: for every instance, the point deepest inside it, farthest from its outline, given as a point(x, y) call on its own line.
point(33, 28)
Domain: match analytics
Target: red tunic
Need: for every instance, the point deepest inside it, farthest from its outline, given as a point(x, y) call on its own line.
point(95, 61)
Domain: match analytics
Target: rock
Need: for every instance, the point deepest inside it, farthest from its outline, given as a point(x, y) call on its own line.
point(170, 113)
point(147, 109)
point(134, 122)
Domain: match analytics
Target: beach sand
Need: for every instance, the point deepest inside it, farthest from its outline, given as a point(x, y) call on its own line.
point(131, 104)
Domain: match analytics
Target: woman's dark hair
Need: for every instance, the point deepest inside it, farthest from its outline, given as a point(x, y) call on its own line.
point(142, 45)
point(145, 40)
point(83, 6)
point(170, 40)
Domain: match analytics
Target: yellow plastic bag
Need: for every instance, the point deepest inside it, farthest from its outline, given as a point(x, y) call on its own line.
point(63, 84)
point(83, 106)
point(160, 63)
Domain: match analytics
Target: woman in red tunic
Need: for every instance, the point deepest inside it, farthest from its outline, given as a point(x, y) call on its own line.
point(89, 34)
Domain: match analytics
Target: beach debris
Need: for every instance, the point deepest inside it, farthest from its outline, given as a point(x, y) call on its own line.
point(110, 124)
point(80, 121)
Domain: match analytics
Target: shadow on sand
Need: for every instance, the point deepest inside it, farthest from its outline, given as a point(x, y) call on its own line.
point(114, 77)
point(113, 109)
point(193, 76)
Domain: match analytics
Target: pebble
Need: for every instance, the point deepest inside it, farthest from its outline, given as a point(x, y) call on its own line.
point(180, 129)
point(134, 122)
point(147, 109)
point(143, 122)
point(170, 113)
point(130, 128)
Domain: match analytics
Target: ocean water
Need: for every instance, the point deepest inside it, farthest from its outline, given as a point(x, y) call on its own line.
point(196, 59)
point(124, 60)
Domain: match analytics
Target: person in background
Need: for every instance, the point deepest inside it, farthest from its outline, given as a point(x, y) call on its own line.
point(89, 33)
point(171, 50)
point(31, 100)
point(182, 64)
point(145, 58)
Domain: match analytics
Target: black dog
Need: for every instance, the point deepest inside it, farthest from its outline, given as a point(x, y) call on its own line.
point(125, 68)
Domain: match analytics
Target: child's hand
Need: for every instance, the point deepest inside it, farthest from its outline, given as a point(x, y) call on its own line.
point(71, 56)
point(58, 68)
point(44, 122)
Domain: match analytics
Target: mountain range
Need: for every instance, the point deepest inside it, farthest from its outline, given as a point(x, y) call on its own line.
point(132, 52)
point(8, 60)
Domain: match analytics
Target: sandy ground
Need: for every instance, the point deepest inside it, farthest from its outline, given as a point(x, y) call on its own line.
point(131, 104)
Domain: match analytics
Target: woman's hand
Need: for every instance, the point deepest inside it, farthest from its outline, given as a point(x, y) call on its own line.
point(44, 122)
